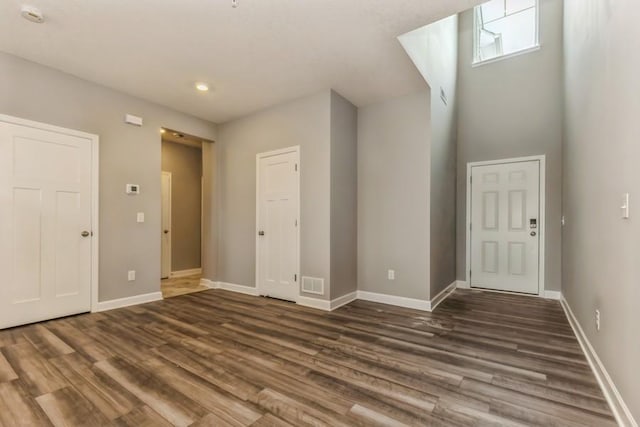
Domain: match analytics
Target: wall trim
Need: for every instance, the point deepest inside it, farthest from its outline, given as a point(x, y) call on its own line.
point(128, 301)
point(462, 284)
point(557, 295)
point(443, 295)
point(618, 407)
point(185, 273)
point(320, 304)
point(247, 290)
point(414, 303)
point(343, 300)
point(208, 283)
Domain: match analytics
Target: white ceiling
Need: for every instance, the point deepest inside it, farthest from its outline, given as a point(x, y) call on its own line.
point(259, 54)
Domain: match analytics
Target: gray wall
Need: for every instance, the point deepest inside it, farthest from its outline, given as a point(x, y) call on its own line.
point(210, 210)
point(128, 154)
point(344, 196)
point(601, 156)
point(393, 196)
point(185, 164)
point(434, 50)
point(511, 108)
point(304, 122)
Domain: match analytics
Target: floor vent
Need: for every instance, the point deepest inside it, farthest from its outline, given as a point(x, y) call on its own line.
point(313, 285)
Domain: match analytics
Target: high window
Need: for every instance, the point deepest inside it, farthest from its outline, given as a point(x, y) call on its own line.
point(503, 28)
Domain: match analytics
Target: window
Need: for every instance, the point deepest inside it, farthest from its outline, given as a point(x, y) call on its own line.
point(504, 27)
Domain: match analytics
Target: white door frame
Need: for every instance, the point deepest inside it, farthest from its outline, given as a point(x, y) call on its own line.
point(541, 221)
point(170, 175)
point(95, 176)
point(295, 149)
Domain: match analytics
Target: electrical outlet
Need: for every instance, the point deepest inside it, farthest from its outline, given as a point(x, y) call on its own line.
point(563, 221)
point(131, 276)
point(391, 275)
point(140, 217)
point(597, 320)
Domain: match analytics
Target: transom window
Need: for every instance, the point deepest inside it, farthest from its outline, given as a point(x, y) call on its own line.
point(503, 28)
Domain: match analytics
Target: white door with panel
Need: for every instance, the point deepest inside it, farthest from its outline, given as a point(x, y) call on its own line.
point(45, 224)
point(165, 263)
point(505, 224)
point(278, 194)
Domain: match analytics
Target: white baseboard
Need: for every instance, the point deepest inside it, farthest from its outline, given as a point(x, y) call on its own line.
point(128, 301)
point(442, 295)
point(208, 283)
point(557, 295)
point(462, 284)
point(618, 407)
point(185, 273)
point(325, 305)
point(343, 300)
point(320, 304)
point(414, 303)
point(247, 290)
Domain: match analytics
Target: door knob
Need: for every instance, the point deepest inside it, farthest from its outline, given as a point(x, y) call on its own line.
point(532, 234)
point(260, 233)
point(166, 231)
point(85, 234)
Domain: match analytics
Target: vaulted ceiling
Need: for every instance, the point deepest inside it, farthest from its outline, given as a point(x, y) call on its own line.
point(258, 54)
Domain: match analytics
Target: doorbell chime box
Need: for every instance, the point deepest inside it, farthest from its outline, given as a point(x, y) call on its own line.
point(133, 189)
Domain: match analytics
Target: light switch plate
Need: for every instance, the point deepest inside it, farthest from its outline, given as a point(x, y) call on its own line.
point(131, 275)
point(140, 217)
point(391, 275)
point(625, 206)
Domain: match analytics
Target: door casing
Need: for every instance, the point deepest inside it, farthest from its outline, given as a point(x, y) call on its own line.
point(169, 235)
point(95, 196)
point(259, 156)
point(542, 220)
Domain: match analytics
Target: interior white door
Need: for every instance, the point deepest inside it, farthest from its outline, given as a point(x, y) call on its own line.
point(505, 224)
point(277, 223)
point(166, 225)
point(45, 224)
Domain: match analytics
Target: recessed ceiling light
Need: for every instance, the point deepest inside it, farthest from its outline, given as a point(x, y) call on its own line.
point(32, 14)
point(202, 87)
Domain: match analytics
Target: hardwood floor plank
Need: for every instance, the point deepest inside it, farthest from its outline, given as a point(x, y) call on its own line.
point(217, 358)
point(18, 408)
point(66, 407)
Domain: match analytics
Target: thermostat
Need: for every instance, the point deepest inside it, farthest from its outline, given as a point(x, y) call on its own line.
point(133, 189)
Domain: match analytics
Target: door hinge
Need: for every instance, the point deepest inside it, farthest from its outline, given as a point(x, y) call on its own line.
point(296, 224)
point(296, 167)
point(471, 179)
point(469, 274)
point(470, 226)
point(295, 277)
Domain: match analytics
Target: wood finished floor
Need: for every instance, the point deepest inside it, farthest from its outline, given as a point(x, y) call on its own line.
point(217, 358)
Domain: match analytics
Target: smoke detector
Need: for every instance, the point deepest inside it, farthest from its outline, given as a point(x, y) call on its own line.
point(32, 14)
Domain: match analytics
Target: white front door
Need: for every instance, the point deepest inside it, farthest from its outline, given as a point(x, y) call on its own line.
point(277, 224)
point(505, 226)
point(45, 224)
point(166, 225)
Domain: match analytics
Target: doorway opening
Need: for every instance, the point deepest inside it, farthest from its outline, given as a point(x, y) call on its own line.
point(181, 213)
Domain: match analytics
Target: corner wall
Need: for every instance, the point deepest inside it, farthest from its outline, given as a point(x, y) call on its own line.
point(601, 156)
point(344, 196)
point(510, 108)
point(393, 196)
point(128, 154)
point(304, 122)
point(434, 51)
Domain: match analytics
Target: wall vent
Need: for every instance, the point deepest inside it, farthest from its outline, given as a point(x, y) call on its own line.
point(313, 285)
